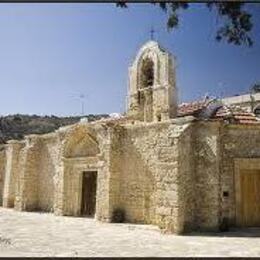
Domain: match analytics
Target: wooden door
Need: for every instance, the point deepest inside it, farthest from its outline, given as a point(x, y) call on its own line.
point(250, 198)
point(89, 187)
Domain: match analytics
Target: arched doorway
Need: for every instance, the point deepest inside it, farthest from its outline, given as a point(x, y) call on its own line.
point(80, 153)
point(145, 91)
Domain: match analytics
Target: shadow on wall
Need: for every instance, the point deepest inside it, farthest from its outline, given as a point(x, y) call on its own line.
point(46, 175)
point(207, 203)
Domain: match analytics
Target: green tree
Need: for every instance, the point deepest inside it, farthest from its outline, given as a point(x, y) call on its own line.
point(235, 23)
point(255, 88)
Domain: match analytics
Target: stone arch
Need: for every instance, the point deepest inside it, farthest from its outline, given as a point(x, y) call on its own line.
point(152, 90)
point(80, 143)
point(147, 73)
point(148, 57)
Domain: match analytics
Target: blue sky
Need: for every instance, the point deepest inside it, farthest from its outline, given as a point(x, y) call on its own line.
point(50, 53)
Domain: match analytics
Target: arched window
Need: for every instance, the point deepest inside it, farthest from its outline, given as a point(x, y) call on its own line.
point(147, 73)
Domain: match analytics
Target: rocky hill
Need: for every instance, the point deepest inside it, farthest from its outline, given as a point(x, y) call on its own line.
point(17, 126)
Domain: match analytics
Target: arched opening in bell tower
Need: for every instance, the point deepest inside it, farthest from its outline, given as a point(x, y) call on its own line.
point(152, 90)
point(145, 90)
point(147, 73)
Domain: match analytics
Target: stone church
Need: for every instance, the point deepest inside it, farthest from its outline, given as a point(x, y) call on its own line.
point(183, 167)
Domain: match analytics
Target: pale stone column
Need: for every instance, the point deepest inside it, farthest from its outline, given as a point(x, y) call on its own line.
point(104, 201)
point(11, 172)
point(2, 171)
point(27, 199)
point(59, 190)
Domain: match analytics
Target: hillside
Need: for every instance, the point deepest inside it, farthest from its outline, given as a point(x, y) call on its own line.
point(17, 126)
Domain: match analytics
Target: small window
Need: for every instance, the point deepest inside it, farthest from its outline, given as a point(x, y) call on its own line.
point(225, 193)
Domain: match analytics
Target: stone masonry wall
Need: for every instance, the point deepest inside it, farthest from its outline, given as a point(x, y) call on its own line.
point(172, 173)
point(12, 172)
point(147, 173)
point(48, 173)
point(105, 190)
point(37, 164)
point(236, 142)
point(186, 178)
point(29, 164)
point(207, 175)
point(216, 145)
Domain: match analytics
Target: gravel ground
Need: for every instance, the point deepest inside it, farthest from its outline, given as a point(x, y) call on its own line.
point(43, 234)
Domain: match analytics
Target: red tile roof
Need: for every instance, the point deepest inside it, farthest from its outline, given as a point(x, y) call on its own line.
point(234, 114)
point(192, 108)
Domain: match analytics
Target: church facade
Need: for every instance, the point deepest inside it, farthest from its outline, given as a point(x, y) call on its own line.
point(183, 167)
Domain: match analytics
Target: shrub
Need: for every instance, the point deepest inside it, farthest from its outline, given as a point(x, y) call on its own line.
point(224, 225)
point(118, 215)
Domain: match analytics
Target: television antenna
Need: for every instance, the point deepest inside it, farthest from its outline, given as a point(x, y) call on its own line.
point(81, 97)
point(82, 103)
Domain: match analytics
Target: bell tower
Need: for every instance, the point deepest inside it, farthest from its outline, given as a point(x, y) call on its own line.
point(152, 94)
